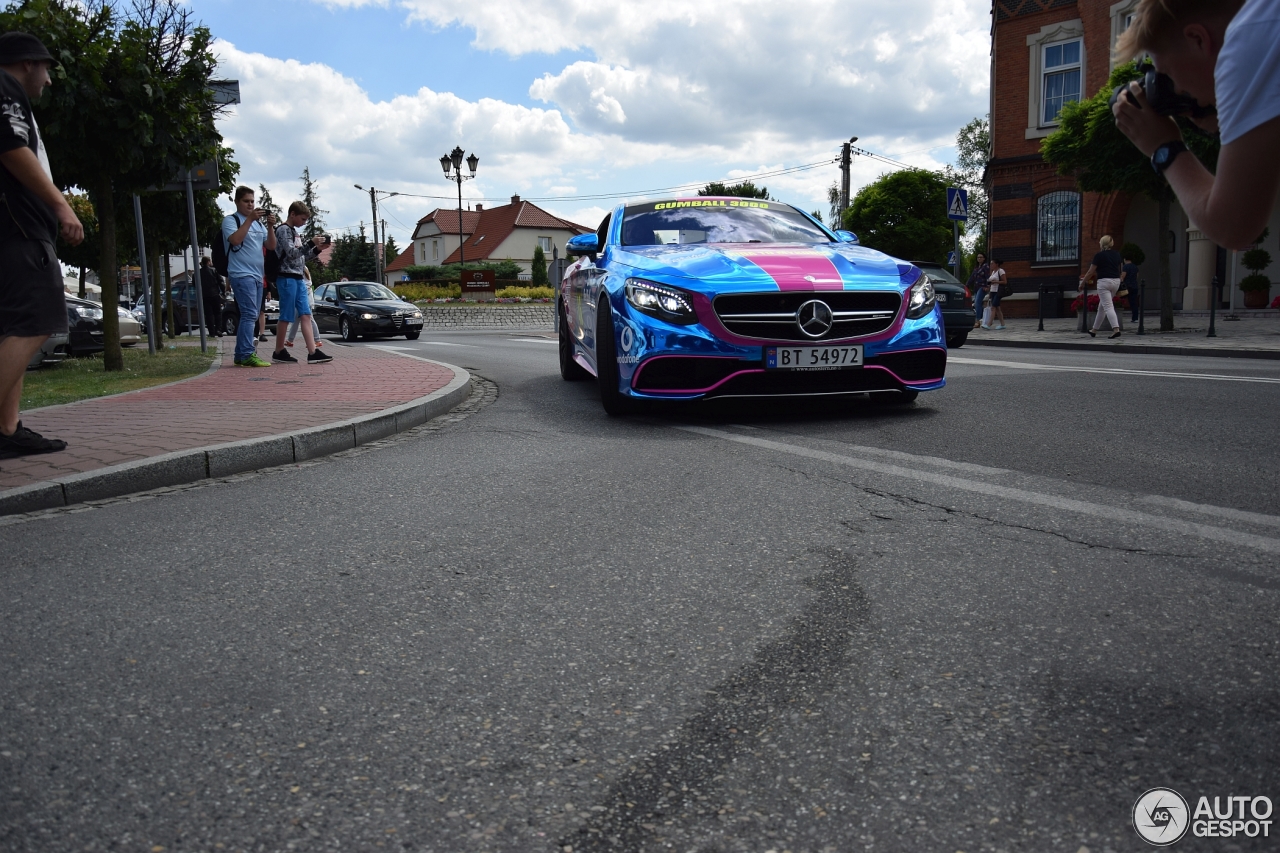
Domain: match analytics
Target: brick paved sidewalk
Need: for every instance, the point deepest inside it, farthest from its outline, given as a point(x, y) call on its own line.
point(1258, 337)
point(228, 404)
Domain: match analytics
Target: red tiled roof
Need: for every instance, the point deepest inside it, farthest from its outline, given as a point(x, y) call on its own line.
point(497, 223)
point(404, 259)
point(446, 219)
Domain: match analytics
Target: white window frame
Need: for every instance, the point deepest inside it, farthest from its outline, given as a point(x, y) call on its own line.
point(1121, 17)
point(435, 250)
point(1049, 36)
point(545, 244)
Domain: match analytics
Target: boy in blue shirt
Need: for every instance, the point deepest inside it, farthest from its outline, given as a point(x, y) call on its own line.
point(247, 239)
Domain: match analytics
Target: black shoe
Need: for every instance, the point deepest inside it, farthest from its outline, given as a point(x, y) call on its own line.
point(1116, 333)
point(283, 355)
point(25, 442)
point(317, 357)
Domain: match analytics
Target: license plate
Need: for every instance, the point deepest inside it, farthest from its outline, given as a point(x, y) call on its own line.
point(942, 297)
point(412, 322)
point(812, 358)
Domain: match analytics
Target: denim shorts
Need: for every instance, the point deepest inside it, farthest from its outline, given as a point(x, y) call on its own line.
point(294, 302)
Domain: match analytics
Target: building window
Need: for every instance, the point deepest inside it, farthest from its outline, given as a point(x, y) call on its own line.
point(1058, 227)
point(435, 250)
point(544, 243)
point(1061, 83)
point(1121, 19)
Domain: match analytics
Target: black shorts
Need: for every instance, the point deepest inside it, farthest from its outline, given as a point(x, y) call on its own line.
point(31, 298)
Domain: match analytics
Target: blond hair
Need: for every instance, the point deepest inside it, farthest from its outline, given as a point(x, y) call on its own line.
point(1106, 242)
point(1155, 22)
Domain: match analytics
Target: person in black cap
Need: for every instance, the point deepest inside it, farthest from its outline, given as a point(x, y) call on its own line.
point(32, 214)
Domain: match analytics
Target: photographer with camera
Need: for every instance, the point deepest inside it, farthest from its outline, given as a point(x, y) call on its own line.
point(246, 237)
point(295, 297)
point(1217, 62)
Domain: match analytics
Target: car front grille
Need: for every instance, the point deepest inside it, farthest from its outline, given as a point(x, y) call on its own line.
point(772, 316)
point(918, 365)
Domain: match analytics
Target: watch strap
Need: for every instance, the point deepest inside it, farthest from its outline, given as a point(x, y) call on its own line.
point(1171, 151)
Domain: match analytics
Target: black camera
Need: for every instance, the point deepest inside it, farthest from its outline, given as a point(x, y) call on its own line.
point(327, 239)
point(1162, 96)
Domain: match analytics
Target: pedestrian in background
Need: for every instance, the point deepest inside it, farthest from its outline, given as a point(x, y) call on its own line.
point(997, 281)
point(1129, 282)
point(1105, 270)
point(33, 214)
point(247, 237)
point(978, 286)
point(211, 295)
point(295, 302)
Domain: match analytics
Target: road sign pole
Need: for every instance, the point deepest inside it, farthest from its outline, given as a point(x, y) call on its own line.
point(142, 271)
point(955, 233)
point(195, 259)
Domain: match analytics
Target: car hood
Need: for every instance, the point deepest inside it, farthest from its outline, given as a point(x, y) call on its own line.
point(730, 267)
point(378, 306)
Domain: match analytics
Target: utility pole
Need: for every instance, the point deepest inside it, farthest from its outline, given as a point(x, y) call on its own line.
point(373, 202)
point(846, 166)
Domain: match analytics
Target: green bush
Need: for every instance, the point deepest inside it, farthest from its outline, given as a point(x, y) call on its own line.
point(1133, 252)
point(526, 292)
point(414, 292)
point(501, 269)
point(1254, 282)
point(1256, 260)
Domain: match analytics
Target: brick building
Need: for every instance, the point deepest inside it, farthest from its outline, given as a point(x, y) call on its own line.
point(1046, 53)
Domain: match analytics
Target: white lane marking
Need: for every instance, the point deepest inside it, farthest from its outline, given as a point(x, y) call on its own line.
point(913, 457)
point(533, 341)
point(1210, 509)
point(1111, 513)
point(447, 344)
point(1024, 365)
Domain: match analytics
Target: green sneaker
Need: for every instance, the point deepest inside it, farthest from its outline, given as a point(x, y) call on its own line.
point(253, 361)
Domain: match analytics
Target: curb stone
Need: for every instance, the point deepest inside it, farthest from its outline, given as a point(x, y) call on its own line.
point(1211, 352)
point(235, 457)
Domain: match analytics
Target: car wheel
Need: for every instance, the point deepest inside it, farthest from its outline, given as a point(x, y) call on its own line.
point(348, 330)
point(614, 402)
point(412, 336)
point(570, 370)
point(895, 398)
point(230, 325)
point(957, 341)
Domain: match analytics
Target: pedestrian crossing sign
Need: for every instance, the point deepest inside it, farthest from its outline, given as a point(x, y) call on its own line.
point(957, 204)
point(951, 259)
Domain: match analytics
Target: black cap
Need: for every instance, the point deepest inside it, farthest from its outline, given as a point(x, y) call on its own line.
point(20, 47)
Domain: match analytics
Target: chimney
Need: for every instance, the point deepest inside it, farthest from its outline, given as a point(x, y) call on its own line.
point(479, 208)
point(515, 199)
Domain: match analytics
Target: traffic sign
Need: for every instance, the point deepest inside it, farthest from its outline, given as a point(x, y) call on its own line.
point(957, 204)
point(203, 177)
point(951, 259)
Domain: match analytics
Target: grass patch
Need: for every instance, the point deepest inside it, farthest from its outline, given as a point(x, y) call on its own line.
point(526, 293)
point(84, 378)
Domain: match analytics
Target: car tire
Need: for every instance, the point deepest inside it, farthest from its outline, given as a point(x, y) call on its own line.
point(348, 330)
point(895, 398)
point(570, 370)
point(613, 400)
point(957, 341)
point(412, 336)
point(230, 326)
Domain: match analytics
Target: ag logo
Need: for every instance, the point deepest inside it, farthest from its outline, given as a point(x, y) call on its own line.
point(628, 338)
point(1161, 817)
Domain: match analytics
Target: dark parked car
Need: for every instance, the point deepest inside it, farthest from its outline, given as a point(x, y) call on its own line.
point(84, 326)
point(356, 308)
point(186, 311)
point(954, 299)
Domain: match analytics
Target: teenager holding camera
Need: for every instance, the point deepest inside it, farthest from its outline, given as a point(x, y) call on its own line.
point(246, 237)
point(295, 301)
point(1222, 60)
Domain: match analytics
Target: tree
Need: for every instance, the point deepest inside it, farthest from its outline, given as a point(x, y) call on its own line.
point(973, 147)
point(353, 257)
point(311, 198)
point(130, 107)
point(1089, 146)
point(538, 268)
point(85, 255)
point(267, 203)
point(389, 251)
point(833, 200)
point(746, 189)
point(903, 214)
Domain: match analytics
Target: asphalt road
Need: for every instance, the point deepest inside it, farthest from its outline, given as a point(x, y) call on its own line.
point(987, 621)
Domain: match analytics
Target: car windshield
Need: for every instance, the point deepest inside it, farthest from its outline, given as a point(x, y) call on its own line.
point(717, 220)
point(364, 291)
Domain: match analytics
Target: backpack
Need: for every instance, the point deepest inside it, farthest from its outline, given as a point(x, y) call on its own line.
point(219, 251)
point(271, 264)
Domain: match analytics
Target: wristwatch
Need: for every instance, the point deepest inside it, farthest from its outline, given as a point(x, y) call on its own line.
point(1164, 156)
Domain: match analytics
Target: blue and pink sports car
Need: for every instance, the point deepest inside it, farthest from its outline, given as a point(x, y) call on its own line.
point(692, 298)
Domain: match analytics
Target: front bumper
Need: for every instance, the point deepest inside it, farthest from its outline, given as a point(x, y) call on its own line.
point(385, 325)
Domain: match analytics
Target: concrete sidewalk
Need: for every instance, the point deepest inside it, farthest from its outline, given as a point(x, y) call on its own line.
point(1248, 337)
point(226, 421)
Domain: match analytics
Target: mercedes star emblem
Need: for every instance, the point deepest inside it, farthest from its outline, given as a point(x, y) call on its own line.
point(814, 318)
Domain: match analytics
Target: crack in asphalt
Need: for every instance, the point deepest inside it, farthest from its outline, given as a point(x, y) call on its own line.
point(483, 393)
point(798, 670)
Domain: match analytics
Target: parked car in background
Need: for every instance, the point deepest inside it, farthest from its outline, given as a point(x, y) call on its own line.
point(52, 351)
point(130, 328)
point(231, 315)
point(84, 327)
point(954, 299)
point(359, 308)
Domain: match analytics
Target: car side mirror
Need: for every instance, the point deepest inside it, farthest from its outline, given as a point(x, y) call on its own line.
point(847, 237)
point(583, 244)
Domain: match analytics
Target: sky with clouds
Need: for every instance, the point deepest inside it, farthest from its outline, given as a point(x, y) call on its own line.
point(569, 98)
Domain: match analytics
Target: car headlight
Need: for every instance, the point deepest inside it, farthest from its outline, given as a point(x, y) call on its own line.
point(88, 313)
point(665, 303)
point(921, 298)
point(367, 316)
point(417, 315)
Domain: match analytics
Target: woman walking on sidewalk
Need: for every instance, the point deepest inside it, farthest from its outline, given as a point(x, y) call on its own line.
point(978, 287)
point(1105, 270)
point(996, 283)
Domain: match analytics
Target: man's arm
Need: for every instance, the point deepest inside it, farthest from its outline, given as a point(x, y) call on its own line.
point(236, 237)
point(24, 166)
point(1232, 207)
point(271, 233)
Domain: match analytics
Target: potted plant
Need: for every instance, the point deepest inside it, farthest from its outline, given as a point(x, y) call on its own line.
point(1256, 287)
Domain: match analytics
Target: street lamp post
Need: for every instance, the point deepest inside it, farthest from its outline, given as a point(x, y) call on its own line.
point(377, 255)
point(452, 165)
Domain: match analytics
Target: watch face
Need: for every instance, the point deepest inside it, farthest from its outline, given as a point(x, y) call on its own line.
point(1161, 155)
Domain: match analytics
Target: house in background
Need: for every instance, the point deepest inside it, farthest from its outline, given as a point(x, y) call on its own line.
point(1044, 54)
point(437, 234)
point(512, 231)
